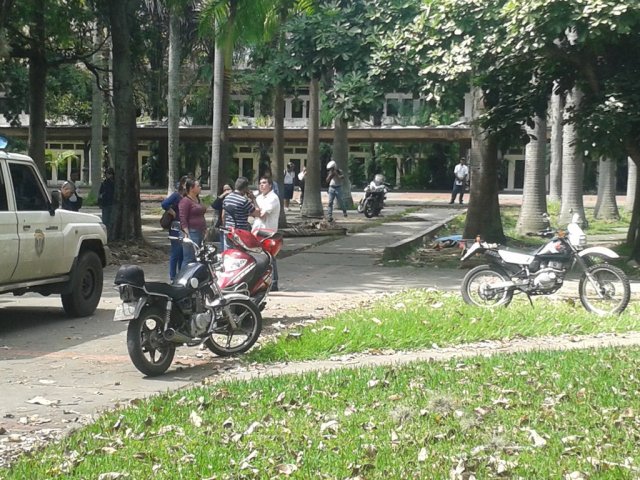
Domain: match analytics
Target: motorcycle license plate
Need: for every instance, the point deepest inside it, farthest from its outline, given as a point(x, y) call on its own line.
point(124, 312)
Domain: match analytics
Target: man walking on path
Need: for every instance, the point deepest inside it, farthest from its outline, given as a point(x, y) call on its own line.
point(461, 174)
point(335, 178)
point(269, 207)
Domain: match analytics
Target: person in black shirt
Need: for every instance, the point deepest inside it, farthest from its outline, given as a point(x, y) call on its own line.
point(105, 198)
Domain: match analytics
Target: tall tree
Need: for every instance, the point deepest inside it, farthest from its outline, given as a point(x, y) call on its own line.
point(127, 223)
point(555, 169)
point(606, 205)
point(40, 32)
point(534, 203)
point(572, 164)
point(632, 183)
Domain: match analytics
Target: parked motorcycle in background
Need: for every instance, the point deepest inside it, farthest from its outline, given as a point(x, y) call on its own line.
point(247, 265)
point(191, 311)
point(603, 288)
point(374, 196)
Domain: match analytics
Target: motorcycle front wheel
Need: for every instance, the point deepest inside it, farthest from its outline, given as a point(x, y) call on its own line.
point(369, 208)
point(227, 340)
point(148, 350)
point(611, 294)
point(478, 287)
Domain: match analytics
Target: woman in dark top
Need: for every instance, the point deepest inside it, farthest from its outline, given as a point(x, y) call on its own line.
point(172, 202)
point(192, 221)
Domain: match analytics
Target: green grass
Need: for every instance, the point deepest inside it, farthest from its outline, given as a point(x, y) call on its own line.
point(422, 318)
point(532, 415)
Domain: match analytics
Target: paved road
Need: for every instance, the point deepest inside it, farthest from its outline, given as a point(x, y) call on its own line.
point(82, 365)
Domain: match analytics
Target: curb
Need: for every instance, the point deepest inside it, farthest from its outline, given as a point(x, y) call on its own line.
point(401, 248)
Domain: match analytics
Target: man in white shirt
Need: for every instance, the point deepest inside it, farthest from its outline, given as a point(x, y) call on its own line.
point(461, 174)
point(269, 205)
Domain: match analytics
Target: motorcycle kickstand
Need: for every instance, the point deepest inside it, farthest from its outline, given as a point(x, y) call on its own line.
point(530, 301)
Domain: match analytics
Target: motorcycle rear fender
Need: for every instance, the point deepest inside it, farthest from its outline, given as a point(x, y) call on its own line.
point(604, 251)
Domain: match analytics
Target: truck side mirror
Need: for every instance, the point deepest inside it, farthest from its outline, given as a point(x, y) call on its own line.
point(55, 201)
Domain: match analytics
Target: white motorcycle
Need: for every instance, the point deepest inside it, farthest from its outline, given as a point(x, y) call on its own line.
point(603, 288)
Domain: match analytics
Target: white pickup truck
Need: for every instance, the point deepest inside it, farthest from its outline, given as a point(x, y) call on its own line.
point(43, 248)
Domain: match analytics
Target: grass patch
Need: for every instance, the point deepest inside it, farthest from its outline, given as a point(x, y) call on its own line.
point(534, 415)
point(417, 319)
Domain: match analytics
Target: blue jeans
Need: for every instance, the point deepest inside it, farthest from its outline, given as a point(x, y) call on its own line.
point(457, 189)
point(175, 259)
point(335, 193)
point(188, 253)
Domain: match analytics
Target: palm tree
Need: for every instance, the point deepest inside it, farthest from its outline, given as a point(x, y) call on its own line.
point(632, 182)
point(606, 206)
point(555, 170)
point(312, 206)
point(534, 203)
point(232, 21)
point(572, 163)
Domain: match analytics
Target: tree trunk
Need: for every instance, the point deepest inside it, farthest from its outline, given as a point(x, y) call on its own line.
point(483, 214)
point(278, 148)
point(555, 170)
point(534, 199)
point(572, 166)
point(633, 234)
point(173, 99)
point(606, 206)
point(216, 129)
point(632, 182)
point(37, 87)
point(97, 114)
point(126, 222)
point(312, 206)
point(341, 156)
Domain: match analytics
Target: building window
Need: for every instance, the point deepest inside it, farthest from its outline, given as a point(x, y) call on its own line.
point(297, 108)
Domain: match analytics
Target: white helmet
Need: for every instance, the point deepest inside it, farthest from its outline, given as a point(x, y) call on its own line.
point(331, 164)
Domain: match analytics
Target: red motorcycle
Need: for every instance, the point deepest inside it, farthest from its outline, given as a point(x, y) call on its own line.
point(247, 266)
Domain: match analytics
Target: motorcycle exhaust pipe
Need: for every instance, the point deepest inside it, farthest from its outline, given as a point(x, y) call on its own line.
point(176, 337)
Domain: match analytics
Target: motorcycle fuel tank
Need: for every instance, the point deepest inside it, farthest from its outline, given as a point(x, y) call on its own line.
point(196, 271)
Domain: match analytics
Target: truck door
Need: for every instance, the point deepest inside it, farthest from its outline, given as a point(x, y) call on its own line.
point(8, 230)
point(41, 249)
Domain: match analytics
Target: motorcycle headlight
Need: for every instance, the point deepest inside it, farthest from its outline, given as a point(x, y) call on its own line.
point(232, 264)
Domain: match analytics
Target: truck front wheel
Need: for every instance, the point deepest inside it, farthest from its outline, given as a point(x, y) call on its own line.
point(86, 287)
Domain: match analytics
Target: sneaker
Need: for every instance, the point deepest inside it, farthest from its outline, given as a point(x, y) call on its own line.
point(451, 202)
point(461, 203)
point(344, 213)
point(330, 219)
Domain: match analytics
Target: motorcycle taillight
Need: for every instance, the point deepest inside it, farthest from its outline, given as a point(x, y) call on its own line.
point(272, 246)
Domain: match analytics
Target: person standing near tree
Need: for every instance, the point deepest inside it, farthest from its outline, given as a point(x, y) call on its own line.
point(289, 179)
point(172, 202)
point(269, 207)
point(301, 176)
point(192, 221)
point(70, 200)
point(105, 198)
point(335, 178)
point(461, 176)
point(238, 206)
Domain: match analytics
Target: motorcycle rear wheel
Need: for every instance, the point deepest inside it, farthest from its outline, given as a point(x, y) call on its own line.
point(476, 287)
point(226, 341)
point(148, 350)
point(613, 294)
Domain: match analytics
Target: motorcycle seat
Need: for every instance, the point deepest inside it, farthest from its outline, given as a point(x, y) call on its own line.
point(172, 291)
point(262, 261)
